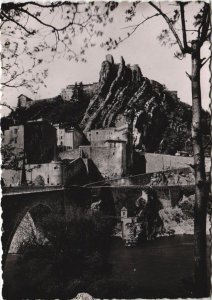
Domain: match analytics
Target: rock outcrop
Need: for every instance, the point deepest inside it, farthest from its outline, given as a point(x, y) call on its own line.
point(157, 115)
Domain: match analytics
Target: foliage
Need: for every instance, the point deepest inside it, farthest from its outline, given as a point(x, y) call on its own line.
point(53, 110)
point(149, 217)
point(187, 205)
point(10, 158)
point(32, 31)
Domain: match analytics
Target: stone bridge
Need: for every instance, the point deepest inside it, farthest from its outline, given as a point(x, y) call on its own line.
point(17, 202)
point(126, 196)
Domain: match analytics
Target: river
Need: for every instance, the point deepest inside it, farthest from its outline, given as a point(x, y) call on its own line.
point(159, 268)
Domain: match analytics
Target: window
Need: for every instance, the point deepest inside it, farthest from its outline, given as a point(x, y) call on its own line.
point(15, 130)
point(15, 140)
point(61, 137)
point(97, 132)
point(61, 143)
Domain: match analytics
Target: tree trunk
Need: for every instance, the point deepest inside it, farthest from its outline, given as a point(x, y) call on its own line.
point(200, 207)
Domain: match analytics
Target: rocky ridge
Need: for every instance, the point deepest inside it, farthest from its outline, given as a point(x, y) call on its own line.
point(161, 122)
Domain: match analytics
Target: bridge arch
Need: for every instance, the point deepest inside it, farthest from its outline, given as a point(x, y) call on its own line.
point(17, 203)
point(23, 227)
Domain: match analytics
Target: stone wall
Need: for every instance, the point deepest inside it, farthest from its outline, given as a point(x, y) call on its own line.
point(110, 161)
point(176, 177)
point(70, 154)
point(11, 177)
point(161, 162)
point(50, 174)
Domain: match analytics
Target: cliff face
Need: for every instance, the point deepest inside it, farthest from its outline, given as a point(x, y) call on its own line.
point(160, 121)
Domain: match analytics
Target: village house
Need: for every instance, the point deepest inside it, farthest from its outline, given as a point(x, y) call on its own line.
point(24, 101)
point(14, 137)
point(68, 137)
point(130, 228)
point(31, 140)
point(67, 92)
point(99, 136)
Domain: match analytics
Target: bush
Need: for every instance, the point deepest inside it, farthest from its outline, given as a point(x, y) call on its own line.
point(187, 205)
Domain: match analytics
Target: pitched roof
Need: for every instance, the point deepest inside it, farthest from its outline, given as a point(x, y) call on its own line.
point(123, 208)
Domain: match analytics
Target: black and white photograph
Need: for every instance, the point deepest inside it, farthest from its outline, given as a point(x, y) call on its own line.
point(105, 149)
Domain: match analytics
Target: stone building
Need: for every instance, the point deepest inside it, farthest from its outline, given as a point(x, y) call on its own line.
point(36, 139)
point(14, 136)
point(99, 136)
point(39, 142)
point(130, 228)
point(67, 92)
point(68, 137)
point(24, 101)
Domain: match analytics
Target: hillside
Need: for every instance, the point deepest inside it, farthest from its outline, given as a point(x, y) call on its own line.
point(161, 120)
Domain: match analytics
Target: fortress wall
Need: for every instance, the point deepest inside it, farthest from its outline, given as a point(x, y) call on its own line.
point(161, 162)
point(110, 161)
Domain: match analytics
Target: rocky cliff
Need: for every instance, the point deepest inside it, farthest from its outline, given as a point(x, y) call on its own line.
point(160, 121)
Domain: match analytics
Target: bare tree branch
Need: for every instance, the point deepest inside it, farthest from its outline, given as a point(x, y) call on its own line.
point(17, 23)
point(189, 76)
point(171, 27)
point(204, 61)
point(135, 27)
point(205, 24)
point(8, 106)
point(187, 49)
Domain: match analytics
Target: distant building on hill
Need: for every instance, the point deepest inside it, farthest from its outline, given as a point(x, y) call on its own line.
point(24, 101)
point(67, 92)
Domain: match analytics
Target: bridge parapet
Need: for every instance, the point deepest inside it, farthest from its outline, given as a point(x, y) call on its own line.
point(30, 189)
point(181, 176)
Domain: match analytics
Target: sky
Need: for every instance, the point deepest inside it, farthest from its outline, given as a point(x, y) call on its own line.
point(157, 62)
